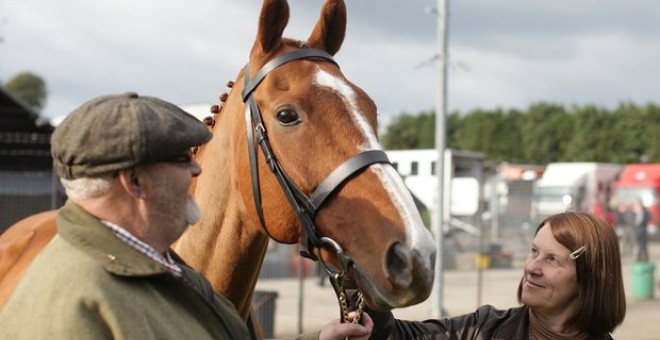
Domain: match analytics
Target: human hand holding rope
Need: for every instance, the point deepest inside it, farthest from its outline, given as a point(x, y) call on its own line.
point(336, 329)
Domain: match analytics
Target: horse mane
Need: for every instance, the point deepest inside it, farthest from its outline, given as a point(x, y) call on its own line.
point(215, 110)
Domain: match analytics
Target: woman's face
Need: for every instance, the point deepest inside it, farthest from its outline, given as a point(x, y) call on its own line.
point(550, 282)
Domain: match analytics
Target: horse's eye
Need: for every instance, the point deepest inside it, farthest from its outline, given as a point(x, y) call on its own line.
point(288, 117)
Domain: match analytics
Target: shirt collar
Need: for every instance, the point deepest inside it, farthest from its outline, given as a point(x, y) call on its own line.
point(135, 243)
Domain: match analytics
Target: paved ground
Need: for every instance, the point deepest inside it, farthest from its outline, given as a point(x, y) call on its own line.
point(460, 296)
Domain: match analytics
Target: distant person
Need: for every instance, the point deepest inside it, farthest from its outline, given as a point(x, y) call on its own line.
point(625, 228)
point(572, 288)
point(641, 219)
point(603, 211)
point(125, 162)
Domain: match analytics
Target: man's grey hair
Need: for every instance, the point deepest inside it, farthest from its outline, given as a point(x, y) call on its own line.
point(85, 188)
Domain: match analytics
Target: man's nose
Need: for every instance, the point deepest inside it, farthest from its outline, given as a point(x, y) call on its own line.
point(195, 168)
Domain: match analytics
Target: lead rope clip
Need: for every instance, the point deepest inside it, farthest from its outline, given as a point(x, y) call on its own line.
point(337, 281)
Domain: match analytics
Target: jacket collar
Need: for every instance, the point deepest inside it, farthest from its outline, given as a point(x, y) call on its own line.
point(88, 234)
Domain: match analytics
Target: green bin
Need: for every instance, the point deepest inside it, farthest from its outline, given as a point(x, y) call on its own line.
point(642, 280)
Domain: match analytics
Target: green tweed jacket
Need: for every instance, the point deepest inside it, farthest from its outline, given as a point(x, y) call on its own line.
point(88, 284)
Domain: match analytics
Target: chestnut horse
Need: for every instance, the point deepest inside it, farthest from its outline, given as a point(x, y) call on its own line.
point(295, 157)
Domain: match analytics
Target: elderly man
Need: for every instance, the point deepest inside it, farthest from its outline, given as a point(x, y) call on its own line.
point(126, 165)
point(125, 162)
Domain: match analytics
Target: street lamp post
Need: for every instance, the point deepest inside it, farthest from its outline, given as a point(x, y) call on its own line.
point(440, 141)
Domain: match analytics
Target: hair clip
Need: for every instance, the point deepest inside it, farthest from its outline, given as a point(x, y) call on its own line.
point(574, 255)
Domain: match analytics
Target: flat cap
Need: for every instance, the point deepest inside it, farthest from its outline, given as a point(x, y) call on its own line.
point(116, 132)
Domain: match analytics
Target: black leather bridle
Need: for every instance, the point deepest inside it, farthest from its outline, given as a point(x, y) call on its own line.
point(304, 206)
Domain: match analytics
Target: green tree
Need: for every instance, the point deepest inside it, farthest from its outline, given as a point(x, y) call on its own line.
point(592, 139)
point(407, 131)
point(546, 128)
point(494, 133)
point(510, 133)
point(637, 133)
point(651, 114)
point(544, 133)
point(455, 123)
point(30, 88)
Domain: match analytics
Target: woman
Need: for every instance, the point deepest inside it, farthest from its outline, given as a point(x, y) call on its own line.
point(571, 288)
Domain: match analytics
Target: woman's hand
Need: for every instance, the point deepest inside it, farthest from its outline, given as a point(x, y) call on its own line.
point(335, 330)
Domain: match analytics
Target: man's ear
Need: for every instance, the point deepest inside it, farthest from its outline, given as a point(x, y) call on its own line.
point(129, 180)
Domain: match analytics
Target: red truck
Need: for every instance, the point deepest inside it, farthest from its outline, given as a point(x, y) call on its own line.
point(641, 181)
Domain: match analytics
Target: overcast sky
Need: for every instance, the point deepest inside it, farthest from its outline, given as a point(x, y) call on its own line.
point(502, 53)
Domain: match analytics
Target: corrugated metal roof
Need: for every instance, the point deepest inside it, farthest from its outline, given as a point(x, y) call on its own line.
point(16, 116)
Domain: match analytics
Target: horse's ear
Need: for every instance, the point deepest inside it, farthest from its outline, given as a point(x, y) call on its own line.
point(330, 29)
point(272, 21)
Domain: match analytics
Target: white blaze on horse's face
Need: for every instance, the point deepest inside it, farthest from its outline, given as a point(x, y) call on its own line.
point(417, 236)
point(347, 94)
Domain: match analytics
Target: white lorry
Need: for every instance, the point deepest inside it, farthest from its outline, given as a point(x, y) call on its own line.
point(583, 187)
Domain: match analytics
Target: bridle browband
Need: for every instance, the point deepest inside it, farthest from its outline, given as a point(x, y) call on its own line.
point(304, 206)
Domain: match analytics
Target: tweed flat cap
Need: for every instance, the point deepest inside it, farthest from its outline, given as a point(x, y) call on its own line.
point(116, 132)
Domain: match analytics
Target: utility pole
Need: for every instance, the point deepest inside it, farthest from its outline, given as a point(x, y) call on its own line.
point(439, 221)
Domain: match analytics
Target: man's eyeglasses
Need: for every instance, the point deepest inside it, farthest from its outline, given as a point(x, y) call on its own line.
point(181, 159)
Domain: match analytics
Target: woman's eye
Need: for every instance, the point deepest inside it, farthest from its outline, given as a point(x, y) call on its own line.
point(553, 261)
point(288, 117)
point(532, 254)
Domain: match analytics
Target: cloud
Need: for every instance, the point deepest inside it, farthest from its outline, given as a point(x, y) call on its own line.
point(506, 53)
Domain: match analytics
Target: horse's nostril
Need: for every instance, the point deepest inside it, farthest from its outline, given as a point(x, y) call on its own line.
point(398, 264)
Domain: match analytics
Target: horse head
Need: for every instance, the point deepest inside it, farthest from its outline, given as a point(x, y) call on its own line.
point(315, 120)
point(295, 156)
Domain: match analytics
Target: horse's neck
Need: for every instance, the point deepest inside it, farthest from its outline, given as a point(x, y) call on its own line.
point(222, 246)
point(228, 255)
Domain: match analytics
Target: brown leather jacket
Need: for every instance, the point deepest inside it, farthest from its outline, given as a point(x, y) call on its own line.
point(486, 323)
